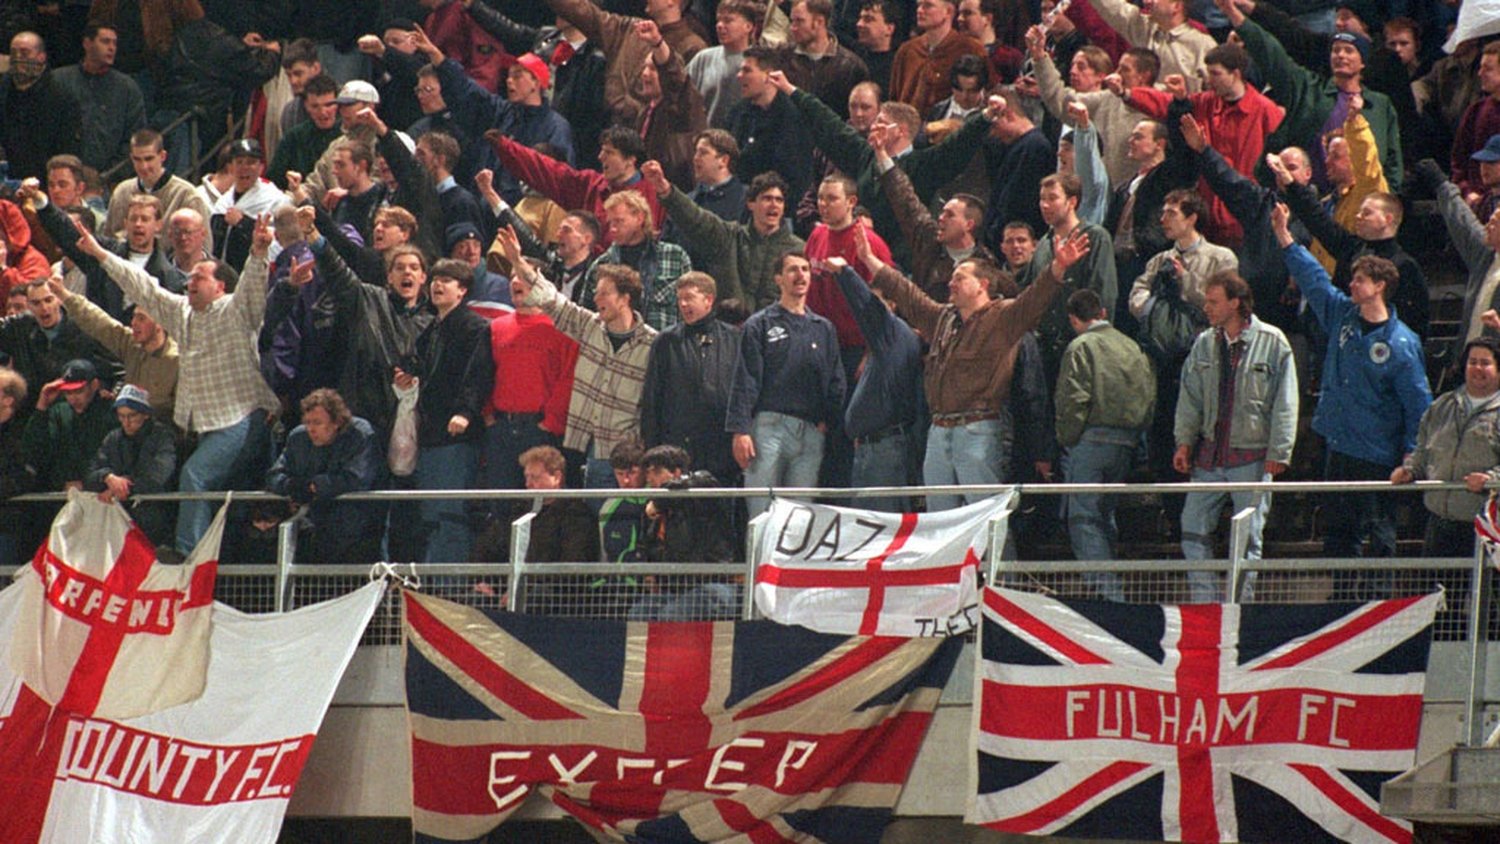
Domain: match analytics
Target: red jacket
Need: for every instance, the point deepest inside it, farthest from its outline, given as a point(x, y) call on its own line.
point(824, 297)
point(23, 262)
point(1237, 131)
point(570, 188)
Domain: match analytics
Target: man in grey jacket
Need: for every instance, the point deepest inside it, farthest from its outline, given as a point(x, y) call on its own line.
point(1459, 440)
point(1236, 419)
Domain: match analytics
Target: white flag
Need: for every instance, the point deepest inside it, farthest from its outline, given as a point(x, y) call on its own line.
point(1476, 19)
point(847, 571)
point(219, 769)
point(104, 628)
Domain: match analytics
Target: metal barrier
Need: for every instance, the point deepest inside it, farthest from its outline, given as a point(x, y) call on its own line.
point(605, 590)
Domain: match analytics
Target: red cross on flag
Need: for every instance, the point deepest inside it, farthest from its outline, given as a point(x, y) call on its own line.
point(104, 628)
point(1201, 723)
point(864, 572)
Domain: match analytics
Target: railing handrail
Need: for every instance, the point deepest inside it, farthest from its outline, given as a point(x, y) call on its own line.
point(820, 492)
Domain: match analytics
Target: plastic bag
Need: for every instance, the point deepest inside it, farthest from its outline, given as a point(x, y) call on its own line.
point(403, 452)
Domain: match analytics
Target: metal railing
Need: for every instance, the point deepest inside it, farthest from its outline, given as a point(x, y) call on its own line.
point(610, 590)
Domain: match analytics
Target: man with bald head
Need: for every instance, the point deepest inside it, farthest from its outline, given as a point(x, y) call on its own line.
point(41, 118)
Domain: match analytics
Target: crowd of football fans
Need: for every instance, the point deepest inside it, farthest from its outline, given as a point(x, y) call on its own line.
point(321, 248)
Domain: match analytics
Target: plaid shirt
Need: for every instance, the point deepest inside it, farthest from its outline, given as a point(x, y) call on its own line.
point(660, 268)
point(218, 381)
point(607, 384)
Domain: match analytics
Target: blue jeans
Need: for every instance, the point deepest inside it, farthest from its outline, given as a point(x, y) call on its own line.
point(886, 462)
point(976, 453)
point(1103, 456)
point(1200, 514)
point(446, 521)
point(221, 461)
point(788, 452)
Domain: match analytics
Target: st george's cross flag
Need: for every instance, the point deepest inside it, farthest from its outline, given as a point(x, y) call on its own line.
point(847, 571)
point(1203, 723)
point(662, 731)
point(218, 770)
point(104, 628)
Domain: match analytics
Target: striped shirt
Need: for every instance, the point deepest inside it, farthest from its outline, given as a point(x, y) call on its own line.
point(218, 381)
point(607, 384)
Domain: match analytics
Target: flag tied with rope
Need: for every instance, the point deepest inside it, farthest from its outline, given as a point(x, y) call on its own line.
point(662, 731)
point(1204, 723)
point(847, 571)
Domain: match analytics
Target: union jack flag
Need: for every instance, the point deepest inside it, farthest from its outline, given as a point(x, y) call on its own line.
point(683, 732)
point(1196, 723)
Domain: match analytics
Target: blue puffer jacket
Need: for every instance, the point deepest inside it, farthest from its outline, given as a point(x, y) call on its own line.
point(1374, 385)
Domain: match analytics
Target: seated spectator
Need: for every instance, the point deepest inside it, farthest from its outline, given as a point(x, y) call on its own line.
point(62, 437)
point(622, 521)
point(684, 530)
point(332, 452)
point(139, 457)
point(564, 530)
point(16, 474)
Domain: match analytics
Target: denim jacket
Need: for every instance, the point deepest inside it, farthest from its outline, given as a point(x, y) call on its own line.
point(1265, 393)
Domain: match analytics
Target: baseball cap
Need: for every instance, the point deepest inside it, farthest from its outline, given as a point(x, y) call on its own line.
point(246, 148)
point(77, 374)
point(538, 68)
point(1360, 43)
point(358, 91)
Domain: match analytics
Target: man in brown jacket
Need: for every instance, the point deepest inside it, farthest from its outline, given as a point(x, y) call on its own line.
point(919, 73)
point(971, 357)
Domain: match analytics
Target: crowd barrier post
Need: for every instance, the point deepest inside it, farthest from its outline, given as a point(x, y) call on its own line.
point(286, 553)
point(520, 543)
point(1239, 545)
point(1481, 585)
point(753, 533)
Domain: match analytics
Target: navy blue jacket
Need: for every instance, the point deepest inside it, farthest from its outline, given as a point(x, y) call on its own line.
point(889, 393)
point(789, 363)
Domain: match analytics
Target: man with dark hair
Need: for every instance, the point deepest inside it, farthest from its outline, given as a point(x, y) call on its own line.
point(1105, 396)
point(42, 118)
point(622, 521)
point(739, 255)
point(968, 84)
point(814, 60)
point(875, 33)
point(221, 395)
point(300, 63)
point(1235, 421)
point(438, 154)
point(237, 210)
point(456, 373)
point(43, 339)
point(769, 129)
point(1163, 27)
point(149, 159)
point(1134, 216)
point(937, 245)
point(686, 393)
point(614, 345)
point(1374, 389)
point(713, 70)
point(1018, 157)
point(970, 360)
point(788, 389)
point(302, 145)
point(109, 102)
point(921, 64)
point(332, 452)
point(1233, 116)
point(716, 188)
point(620, 155)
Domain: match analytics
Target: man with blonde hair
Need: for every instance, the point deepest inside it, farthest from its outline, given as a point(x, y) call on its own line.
point(634, 244)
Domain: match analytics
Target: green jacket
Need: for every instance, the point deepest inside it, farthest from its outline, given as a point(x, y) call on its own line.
point(299, 150)
point(59, 444)
point(1106, 381)
point(742, 262)
point(1309, 97)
